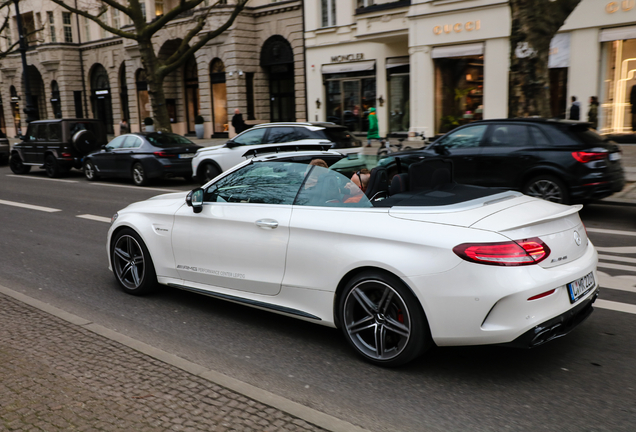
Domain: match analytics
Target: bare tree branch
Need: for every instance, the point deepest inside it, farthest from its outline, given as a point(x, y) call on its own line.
point(170, 67)
point(163, 20)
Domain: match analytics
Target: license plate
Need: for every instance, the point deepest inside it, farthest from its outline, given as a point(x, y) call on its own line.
point(615, 156)
point(186, 155)
point(580, 287)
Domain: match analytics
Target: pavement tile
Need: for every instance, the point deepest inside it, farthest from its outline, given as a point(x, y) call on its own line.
point(59, 376)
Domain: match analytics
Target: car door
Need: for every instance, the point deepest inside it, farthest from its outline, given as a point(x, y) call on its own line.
point(232, 154)
point(124, 155)
point(462, 146)
point(507, 153)
point(33, 146)
point(104, 161)
point(239, 239)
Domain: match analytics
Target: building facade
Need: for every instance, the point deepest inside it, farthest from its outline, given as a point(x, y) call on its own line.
point(430, 65)
point(77, 69)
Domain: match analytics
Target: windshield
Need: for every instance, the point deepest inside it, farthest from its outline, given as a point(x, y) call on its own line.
point(164, 140)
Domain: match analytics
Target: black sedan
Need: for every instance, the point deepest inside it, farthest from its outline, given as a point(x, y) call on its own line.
point(143, 156)
point(557, 160)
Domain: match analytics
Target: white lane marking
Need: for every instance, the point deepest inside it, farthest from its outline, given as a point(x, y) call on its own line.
point(617, 258)
point(607, 231)
point(95, 218)
point(622, 283)
point(136, 187)
point(618, 249)
point(30, 206)
point(42, 178)
point(615, 306)
point(616, 266)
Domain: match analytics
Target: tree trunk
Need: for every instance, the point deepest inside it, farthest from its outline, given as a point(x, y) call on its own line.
point(534, 24)
point(155, 87)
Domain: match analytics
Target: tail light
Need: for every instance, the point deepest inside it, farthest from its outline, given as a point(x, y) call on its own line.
point(512, 253)
point(164, 154)
point(585, 157)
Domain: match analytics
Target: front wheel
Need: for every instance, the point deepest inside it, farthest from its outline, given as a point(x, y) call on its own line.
point(382, 320)
point(547, 187)
point(132, 264)
point(139, 175)
point(17, 166)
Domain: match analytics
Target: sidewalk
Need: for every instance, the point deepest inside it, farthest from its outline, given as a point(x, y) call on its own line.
point(61, 372)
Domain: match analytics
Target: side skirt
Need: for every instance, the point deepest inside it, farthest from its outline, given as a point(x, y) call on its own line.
point(253, 303)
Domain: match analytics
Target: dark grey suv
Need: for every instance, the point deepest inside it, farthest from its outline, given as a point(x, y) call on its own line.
point(57, 145)
point(4, 148)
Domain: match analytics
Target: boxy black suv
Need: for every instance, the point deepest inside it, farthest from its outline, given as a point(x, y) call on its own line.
point(57, 145)
point(557, 160)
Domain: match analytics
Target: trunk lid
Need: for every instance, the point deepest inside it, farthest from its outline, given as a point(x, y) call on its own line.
point(559, 227)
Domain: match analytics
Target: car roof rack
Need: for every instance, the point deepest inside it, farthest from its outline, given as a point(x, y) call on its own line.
point(282, 148)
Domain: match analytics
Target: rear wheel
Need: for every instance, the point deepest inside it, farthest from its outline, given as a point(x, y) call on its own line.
point(547, 187)
point(132, 263)
point(207, 172)
point(139, 175)
point(17, 166)
point(89, 171)
point(382, 320)
point(52, 167)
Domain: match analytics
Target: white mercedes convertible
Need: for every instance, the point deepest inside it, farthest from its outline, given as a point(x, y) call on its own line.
point(412, 261)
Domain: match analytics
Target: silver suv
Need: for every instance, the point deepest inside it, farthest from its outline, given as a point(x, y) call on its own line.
point(271, 137)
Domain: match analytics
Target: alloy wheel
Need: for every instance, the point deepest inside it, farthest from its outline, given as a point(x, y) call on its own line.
point(547, 190)
point(377, 320)
point(129, 262)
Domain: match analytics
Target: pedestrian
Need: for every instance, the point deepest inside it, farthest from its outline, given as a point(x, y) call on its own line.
point(592, 114)
point(237, 122)
point(124, 127)
point(374, 131)
point(575, 109)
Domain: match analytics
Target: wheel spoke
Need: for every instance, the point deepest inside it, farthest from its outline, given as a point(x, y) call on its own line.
point(397, 327)
point(360, 325)
point(364, 301)
point(385, 302)
point(380, 336)
point(121, 254)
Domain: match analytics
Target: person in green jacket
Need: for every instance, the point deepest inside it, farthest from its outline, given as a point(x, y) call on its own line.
point(374, 131)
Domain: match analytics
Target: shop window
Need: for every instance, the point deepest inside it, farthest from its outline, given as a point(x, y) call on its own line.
point(349, 99)
point(618, 94)
point(398, 72)
point(459, 85)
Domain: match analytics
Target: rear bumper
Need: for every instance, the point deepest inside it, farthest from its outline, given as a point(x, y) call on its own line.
point(170, 168)
point(596, 189)
point(557, 326)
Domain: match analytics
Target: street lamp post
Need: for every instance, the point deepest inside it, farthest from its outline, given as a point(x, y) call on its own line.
point(29, 110)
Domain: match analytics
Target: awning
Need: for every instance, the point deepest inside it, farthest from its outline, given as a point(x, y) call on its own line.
point(458, 50)
point(361, 66)
point(394, 62)
point(617, 33)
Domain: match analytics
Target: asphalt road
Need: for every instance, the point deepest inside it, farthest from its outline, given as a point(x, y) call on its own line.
point(56, 252)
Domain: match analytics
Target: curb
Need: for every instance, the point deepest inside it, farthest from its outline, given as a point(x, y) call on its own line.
point(292, 408)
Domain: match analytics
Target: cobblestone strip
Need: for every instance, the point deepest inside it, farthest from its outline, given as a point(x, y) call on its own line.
point(57, 376)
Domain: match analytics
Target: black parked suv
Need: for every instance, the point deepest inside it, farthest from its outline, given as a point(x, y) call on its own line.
point(557, 160)
point(57, 145)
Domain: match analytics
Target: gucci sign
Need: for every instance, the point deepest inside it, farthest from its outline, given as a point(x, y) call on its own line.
point(624, 5)
point(458, 27)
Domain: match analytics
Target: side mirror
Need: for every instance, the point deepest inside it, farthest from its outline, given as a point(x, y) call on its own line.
point(231, 144)
point(194, 199)
point(441, 150)
point(22, 138)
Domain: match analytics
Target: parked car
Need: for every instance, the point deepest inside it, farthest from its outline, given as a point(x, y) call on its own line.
point(557, 160)
point(397, 269)
point(57, 145)
point(143, 156)
point(212, 161)
point(5, 148)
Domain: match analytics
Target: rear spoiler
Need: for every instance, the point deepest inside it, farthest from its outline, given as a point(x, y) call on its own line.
point(287, 148)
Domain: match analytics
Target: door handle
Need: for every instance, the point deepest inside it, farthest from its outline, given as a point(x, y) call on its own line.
point(267, 223)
